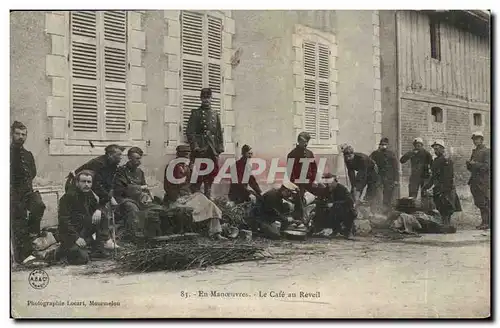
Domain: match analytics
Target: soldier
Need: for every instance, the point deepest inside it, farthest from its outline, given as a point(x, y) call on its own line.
point(479, 182)
point(80, 217)
point(181, 170)
point(388, 171)
point(238, 192)
point(421, 161)
point(442, 179)
point(362, 172)
point(204, 134)
point(104, 168)
point(22, 196)
point(130, 190)
point(335, 208)
point(301, 152)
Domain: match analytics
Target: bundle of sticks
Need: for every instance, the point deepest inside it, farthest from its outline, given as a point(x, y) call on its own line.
point(233, 214)
point(185, 256)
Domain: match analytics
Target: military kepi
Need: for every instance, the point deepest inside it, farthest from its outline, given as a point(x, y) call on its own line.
point(304, 136)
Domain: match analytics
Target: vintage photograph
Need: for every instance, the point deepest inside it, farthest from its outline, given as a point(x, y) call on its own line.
point(250, 164)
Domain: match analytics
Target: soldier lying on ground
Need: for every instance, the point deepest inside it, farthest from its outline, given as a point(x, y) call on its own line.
point(79, 218)
point(335, 212)
point(180, 195)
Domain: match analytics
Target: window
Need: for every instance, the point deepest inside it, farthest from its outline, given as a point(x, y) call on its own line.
point(437, 114)
point(317, 91)
point(98, 71)
point(478, 119)
point(435, 38)
point(201, 48)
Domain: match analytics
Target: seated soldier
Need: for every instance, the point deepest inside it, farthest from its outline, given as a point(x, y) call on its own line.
point(79, 218)
point(274, 204)
point(131, 191)
point(238, 191)
point(178, 194)
point(335, 210)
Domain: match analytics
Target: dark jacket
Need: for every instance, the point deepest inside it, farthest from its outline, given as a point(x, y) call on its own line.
point(22, 170)
point(238, 192)
point(297, 153)
point(74, 213)
point(338, 195)
point(480, 170)
point(204, 131)
point(174, 191)
point(126, 182)
point(365, 168)
point(103, 178)
point(442, 177)
point(387, 164)
point(272, 203)
point(421, 162)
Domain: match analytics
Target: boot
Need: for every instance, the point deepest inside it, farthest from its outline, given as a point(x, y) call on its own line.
point(485, 220)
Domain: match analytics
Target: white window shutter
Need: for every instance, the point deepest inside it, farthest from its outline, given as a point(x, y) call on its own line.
point(115, 74)
point(310, 90)
point(214, 60)
point(323, 94)
point(85, 93)
point(192, 63)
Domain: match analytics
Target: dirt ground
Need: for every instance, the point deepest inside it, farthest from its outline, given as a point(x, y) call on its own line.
point(365, 278)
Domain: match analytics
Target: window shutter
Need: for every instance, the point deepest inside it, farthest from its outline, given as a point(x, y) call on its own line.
point(115, 74)
point(324, 94)
point(317, 92)
point(214, 60)
point(192, 63)
point(84, 75)
point(310, 90)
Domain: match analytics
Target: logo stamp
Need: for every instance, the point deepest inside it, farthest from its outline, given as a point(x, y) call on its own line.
point(38, 279)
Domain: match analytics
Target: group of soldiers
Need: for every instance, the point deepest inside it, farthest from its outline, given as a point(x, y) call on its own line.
point(101, 189)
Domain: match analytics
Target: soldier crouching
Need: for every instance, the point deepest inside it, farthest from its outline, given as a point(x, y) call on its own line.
point(79, 218)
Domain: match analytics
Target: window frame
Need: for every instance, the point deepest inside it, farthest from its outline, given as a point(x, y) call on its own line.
point(435, 38)
point(101, 135)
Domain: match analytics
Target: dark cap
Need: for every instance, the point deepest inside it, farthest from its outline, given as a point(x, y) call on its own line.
point(329, 176)
point(206, 92)
point(245, 149)
point(304, 136)
point(384, 141)
point(183, 149)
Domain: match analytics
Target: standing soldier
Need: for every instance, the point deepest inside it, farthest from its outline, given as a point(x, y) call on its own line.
point(387, 164)
point(442, 179)
point(22, 196)
point(479, 182)
point(205, 137)
point(298, 153)
point(421, 161)
point(362, 172)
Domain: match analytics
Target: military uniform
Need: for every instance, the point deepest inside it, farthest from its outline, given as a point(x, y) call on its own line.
point(204, 134)
point(297, 154)
point(420, 161)
point(387, 165)
point(75, 221)
point(175, 190)
point(444, 194)
point(104, 173)
point(479, 182)
point(238, 192)
point(362, 174)
point(23, 199)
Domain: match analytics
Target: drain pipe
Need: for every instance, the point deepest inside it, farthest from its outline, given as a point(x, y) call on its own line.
point(398, 92)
